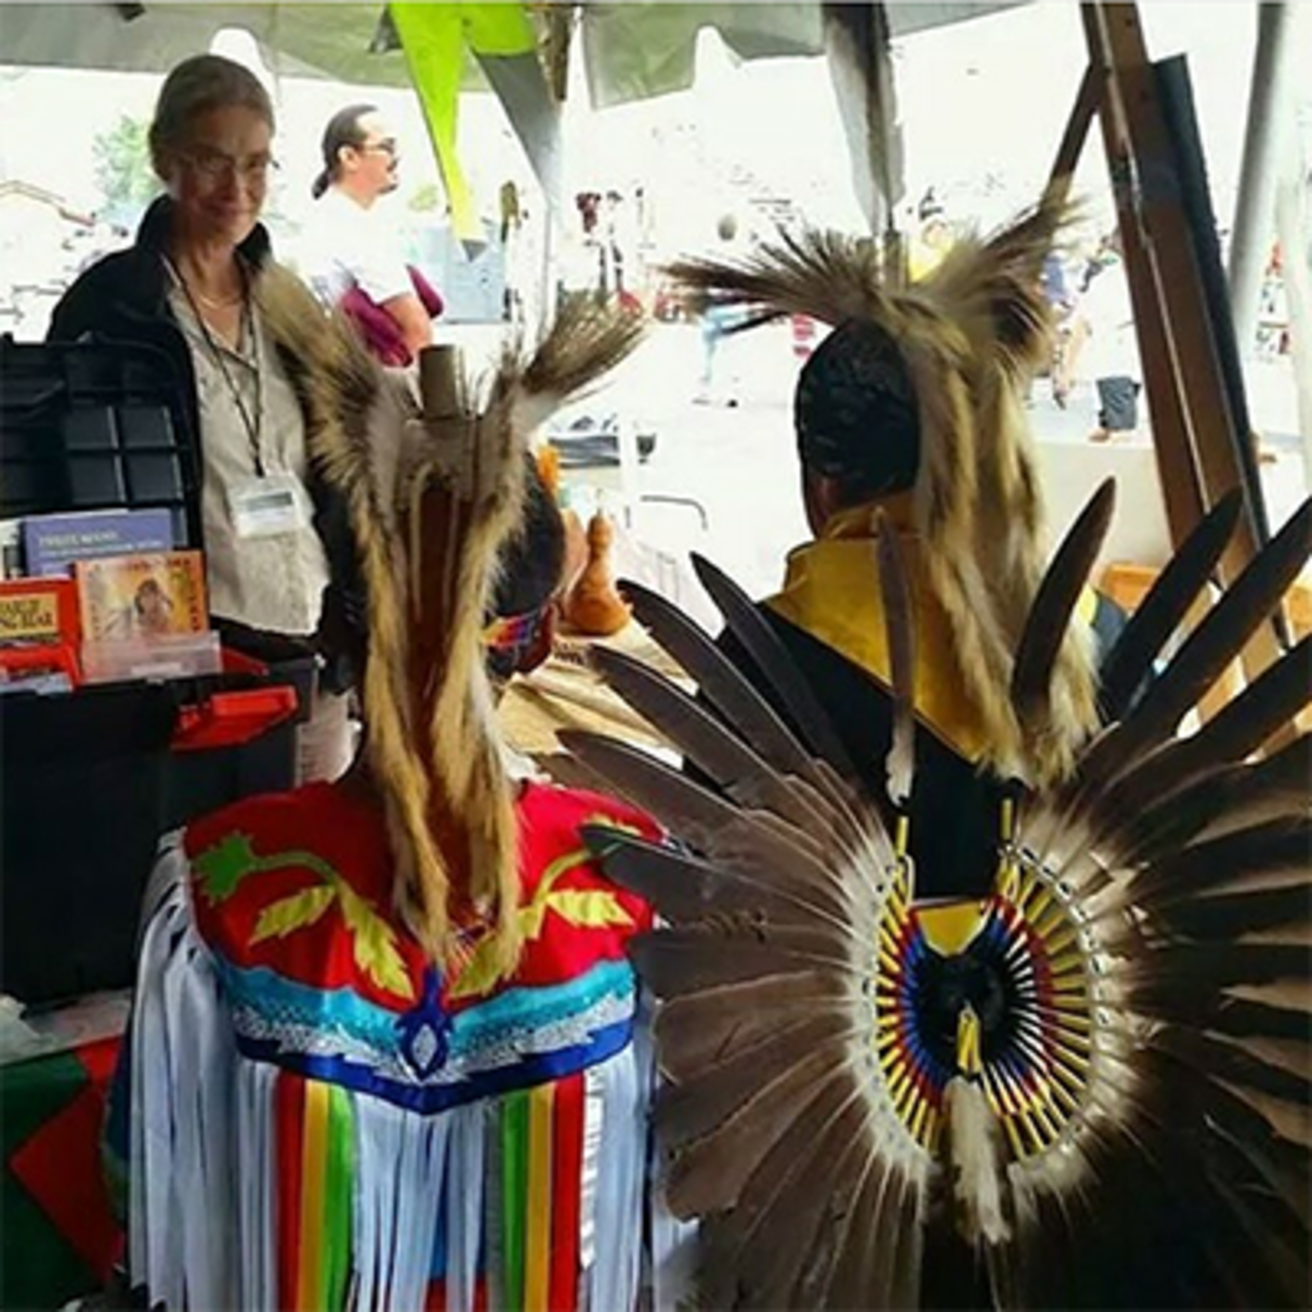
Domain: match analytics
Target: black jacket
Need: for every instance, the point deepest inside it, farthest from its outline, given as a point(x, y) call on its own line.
point(124, 298)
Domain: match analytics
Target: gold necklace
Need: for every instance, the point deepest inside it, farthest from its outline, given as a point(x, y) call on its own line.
point(211, 303)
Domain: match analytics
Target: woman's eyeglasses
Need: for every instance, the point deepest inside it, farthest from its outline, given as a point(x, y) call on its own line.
point(385, 147)
point(215, 165)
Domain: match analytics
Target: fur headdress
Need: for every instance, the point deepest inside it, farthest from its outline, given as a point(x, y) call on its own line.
point(971, 335)
point(432, 498)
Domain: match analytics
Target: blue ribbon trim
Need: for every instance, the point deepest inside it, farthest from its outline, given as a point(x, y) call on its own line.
point(427, 1100)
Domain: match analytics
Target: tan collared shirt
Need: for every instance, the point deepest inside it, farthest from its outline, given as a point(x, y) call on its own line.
point(271, 583)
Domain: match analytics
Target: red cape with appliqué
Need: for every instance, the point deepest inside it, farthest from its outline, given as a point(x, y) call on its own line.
point(319, 1117)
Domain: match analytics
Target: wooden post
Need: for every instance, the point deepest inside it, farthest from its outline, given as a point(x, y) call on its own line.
point(1087, 102)
point(1193, 428)
point(1177, 468)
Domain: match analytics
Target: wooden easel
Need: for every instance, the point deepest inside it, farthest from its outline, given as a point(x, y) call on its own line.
point(1194, 431)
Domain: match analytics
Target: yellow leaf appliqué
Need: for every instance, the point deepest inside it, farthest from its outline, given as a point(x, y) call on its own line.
point(481, 972)
point(281, 918)
point(593, 908)
point(374, 944)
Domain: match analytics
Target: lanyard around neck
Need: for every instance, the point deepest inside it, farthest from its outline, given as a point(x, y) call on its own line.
point(252, 421)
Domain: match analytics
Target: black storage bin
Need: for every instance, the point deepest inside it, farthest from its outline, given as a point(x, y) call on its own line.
point(95, 426)
point(90, 780)
point(83, 777)
point(198, 782)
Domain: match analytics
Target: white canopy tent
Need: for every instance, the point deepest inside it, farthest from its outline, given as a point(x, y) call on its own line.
point(633, 50)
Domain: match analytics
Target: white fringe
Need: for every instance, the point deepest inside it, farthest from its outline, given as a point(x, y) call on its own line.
point(183, 1217)
point(616, 1268)
point(671, 1256)
point(467, 1178)
point(400, 1165)
point(594, 1116)
point(255, 1184)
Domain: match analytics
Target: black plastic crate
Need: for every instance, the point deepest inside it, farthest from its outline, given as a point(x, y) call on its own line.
point(95, 426)
point(82, 778)
point(89, 781)
point(196, 783)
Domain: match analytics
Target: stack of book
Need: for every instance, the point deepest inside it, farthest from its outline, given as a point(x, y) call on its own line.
point(102, 596)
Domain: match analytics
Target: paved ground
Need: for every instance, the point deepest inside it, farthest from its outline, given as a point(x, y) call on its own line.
point(738, 462)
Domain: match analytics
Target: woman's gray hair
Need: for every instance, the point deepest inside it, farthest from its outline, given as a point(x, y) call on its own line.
point(197, 86)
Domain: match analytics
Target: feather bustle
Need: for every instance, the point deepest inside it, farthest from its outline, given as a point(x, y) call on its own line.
point(759, 640)
point(1050, 616)
point(709, 1173)
point(719, 682)
point(729, 761)
point(1164, 608)
point(1217, 640)
point(684, 888)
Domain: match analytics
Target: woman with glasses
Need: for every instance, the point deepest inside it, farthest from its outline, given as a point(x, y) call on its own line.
point(200, 286)
point(353, 261)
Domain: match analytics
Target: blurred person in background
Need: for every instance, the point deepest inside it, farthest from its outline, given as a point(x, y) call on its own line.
point(717, 321)
point(1102, 346)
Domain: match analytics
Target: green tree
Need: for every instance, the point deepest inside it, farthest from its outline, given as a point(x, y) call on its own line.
point(123, 169)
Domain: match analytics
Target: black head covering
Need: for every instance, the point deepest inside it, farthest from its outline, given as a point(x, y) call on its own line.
point(855, 411)
point(532, 562)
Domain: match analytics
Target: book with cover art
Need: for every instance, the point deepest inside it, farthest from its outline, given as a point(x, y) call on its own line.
point(153, 594)
point(52, 543)
point(38, 613)
point(39, 633)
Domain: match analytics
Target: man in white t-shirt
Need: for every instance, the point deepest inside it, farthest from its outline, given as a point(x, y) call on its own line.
point(355, 264)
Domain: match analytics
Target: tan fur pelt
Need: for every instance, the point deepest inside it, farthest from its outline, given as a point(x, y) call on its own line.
point(432, 502)
point(972, 334)
point(357, 418)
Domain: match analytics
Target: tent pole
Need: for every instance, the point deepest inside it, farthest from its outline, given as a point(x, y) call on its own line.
point(1294, 226)
point(857, 51)
point(1254, 223)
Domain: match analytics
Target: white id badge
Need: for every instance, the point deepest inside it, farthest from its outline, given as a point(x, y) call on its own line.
point(263, 507)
